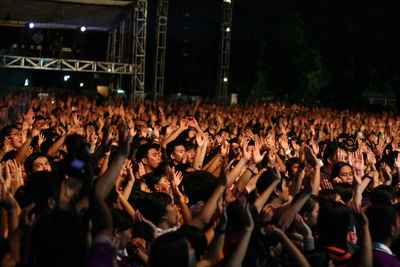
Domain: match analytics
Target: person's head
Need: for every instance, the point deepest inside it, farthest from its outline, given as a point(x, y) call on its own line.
point(281, 191)
point(123, 227)
point(171, 249)
point(12, 135)
point(159, 209)
point(310, 211)
point(157, 182)
point(199, 186)
point(345, 191)
point(292, 166)
point(333, 224)
point(190, 151)
point(384, 223)
point(330, 153)
point(176, 151)
point(382, 195)
point(342, 172)
point(196, 237)
point(37, 162)
point(149, 155)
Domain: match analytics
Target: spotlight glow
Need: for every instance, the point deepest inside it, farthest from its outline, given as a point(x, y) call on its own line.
point(83, 28)
point(31, 25)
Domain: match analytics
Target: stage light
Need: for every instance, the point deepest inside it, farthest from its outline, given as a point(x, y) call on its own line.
point(227, 1)
point(225, 79)
point(66, 78)
point(26, 83)
point(83, 28)
point(31, 25)
point(120, 91)
point(81, 85)
point(228, 29)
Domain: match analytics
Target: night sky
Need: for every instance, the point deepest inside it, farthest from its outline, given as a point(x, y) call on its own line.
point(305, 50)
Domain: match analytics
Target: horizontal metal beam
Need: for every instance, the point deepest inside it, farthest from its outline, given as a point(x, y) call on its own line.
point(94, 2)
point(50, 25)
point(65, 65)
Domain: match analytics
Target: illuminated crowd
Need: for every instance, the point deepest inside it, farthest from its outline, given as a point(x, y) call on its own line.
point(93, 181)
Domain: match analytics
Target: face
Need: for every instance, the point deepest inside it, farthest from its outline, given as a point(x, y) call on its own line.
point(179, 152)
point(41, 164)
point(69, 188)
point(163, 185)
point(153, 158)
point(311, 218)
point(346, 175)
point(190, 155)
point(15, 138)
point(294, 168)
point(124, 238)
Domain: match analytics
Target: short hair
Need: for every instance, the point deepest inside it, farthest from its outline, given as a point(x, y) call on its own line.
point(121, 220)
point(170, 249)
point(196, 237)
point(333, 224)
point(382, 195)
point(171, 146)
point(265, 180)
point(330, 152)
point(154, 206)
point(381, 218)
point(28, 163)
point(291, 161)
point(199, 185)
point(143, 151)
point(345, 191)
point(151, 179)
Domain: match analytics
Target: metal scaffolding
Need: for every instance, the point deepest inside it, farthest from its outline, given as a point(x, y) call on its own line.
point(225, 48)
point(65, 65)
point(116, 51)
point(159, 64)
point(139, 49)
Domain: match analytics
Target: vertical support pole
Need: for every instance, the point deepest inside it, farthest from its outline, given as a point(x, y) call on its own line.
point(159, 66)
point(224, 54)
point(139, 49)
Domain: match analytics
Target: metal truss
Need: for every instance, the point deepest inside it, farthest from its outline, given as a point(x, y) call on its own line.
point(225, 49)
point(159, 66)
point(65, 65)
point(139, 49)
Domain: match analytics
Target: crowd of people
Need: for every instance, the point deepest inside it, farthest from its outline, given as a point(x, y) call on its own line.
point(109, 182)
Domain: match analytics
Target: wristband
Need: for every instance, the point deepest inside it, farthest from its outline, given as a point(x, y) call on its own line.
point(288, 152)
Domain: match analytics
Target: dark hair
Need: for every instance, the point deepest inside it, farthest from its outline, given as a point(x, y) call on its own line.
point(290, 162)
point(309, 205)
point(39, 187)
point(199, 185)
point(28, 163)
point(171, 146)
point(170, 249)
point(345, 191)
point(265, 181)
point(121, 220)
point(337, 167)
point(333, 224)
point(196, 237)
point(381, 219)
point(5, 131)
point(382, 195)
point(143, 150)
point(152, 179)
point(330, 151)
point(154, 206)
